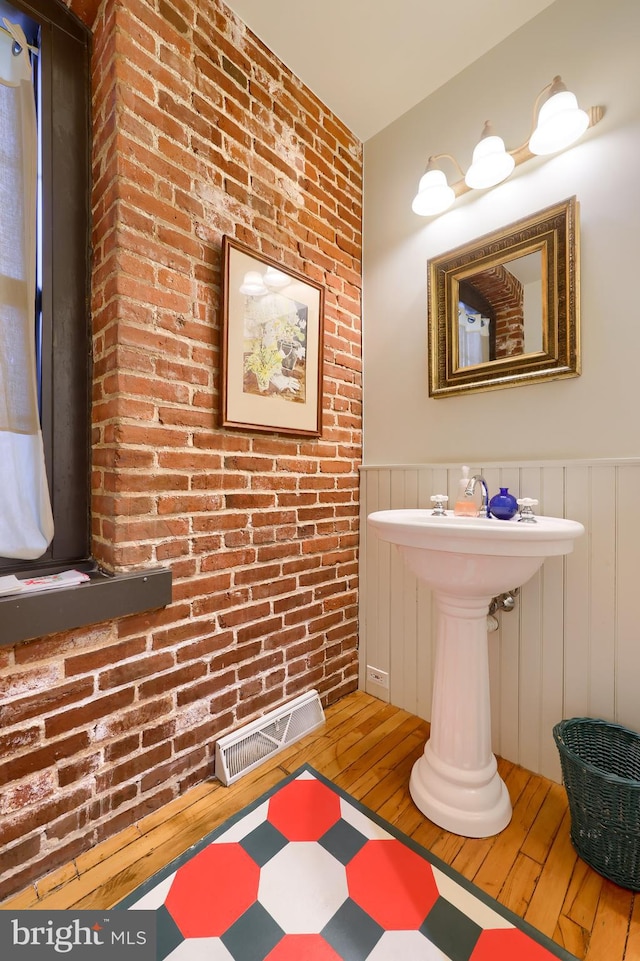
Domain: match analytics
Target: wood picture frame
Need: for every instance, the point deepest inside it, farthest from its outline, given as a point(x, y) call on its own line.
point(272, 345)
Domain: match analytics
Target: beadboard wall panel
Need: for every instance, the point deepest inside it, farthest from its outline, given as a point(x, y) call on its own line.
point(572, 644)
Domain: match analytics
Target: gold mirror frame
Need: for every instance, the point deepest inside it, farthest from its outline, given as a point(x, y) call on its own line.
point(553, 235)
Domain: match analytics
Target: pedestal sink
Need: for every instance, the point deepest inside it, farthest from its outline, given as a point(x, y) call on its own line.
point(466, 561)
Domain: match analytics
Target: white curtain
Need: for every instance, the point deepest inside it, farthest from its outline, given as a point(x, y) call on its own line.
point(26, 521)
point(473, 337)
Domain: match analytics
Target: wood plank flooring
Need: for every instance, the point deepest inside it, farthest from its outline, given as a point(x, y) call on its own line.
point(368, 748)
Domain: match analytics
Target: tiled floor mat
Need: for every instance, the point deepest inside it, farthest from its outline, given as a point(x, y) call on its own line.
point(306, 873)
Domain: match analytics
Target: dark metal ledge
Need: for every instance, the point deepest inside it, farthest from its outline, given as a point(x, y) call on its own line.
point(103, 598)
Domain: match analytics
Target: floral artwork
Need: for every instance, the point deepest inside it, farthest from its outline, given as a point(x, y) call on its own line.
point(272, 348)
point(275, 346)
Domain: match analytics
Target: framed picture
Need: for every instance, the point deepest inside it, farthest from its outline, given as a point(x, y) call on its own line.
point(272, 348)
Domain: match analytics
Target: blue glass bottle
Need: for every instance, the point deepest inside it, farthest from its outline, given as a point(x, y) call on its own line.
point(503, 505)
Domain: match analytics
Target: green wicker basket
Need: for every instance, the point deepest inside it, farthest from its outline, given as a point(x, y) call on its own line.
point(601, 773)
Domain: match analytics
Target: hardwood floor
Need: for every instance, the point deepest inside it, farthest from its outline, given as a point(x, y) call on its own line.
point(368, 748)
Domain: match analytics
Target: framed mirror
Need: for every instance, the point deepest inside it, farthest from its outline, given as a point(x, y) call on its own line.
point(504, 309)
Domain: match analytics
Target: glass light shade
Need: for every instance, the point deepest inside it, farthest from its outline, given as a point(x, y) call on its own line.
point(434, 194)
point(253, 284)
point(491, 164)
point(560, 123)
point(275, 279)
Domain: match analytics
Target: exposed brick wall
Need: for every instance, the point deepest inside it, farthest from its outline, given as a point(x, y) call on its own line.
point(86, 10)
point(198, 131)
point(506, 295)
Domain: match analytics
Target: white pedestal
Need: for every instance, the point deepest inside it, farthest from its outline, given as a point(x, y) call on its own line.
point(456, 782)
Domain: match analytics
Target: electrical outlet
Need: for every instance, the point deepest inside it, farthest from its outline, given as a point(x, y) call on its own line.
point(376, 676)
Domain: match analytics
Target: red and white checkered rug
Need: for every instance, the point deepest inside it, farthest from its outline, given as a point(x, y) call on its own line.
point(306, 873)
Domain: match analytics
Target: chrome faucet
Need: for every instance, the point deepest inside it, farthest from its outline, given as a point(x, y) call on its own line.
point(471, 486)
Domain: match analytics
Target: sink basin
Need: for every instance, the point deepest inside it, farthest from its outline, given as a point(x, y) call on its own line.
point(482, 555)
point(476, 535)
point(466, 561)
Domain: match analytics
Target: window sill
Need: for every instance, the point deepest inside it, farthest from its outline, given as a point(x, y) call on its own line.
point(104, 597)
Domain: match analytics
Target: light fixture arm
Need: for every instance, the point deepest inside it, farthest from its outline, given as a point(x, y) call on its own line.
point(432, 163)
point(459, 187)
point(556, 86)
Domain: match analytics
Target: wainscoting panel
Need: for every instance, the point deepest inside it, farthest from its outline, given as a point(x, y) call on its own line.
point(570, 648)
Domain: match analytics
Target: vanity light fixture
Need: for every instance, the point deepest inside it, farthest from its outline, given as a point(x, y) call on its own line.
point(558, 122)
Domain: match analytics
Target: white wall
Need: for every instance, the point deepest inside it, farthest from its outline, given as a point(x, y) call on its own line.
point(593, 46)
point(572, 647)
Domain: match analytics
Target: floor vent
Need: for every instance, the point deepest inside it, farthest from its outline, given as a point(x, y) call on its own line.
point(241, 751)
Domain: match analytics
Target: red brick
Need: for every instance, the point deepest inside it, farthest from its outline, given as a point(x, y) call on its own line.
point(112, 654)
point(45, 702)
point(27, 764)
point(78, 769)
point(25, 822)
point(129, 770)
point(134, 670)
point(25, 850)
point(172, 770)
point(96, 709)
point(171, 680)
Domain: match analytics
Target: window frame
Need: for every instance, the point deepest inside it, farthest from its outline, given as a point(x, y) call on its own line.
point(66, 349)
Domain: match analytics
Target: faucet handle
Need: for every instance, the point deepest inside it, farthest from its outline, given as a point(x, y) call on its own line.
point(526, 505)
point(439, 500)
